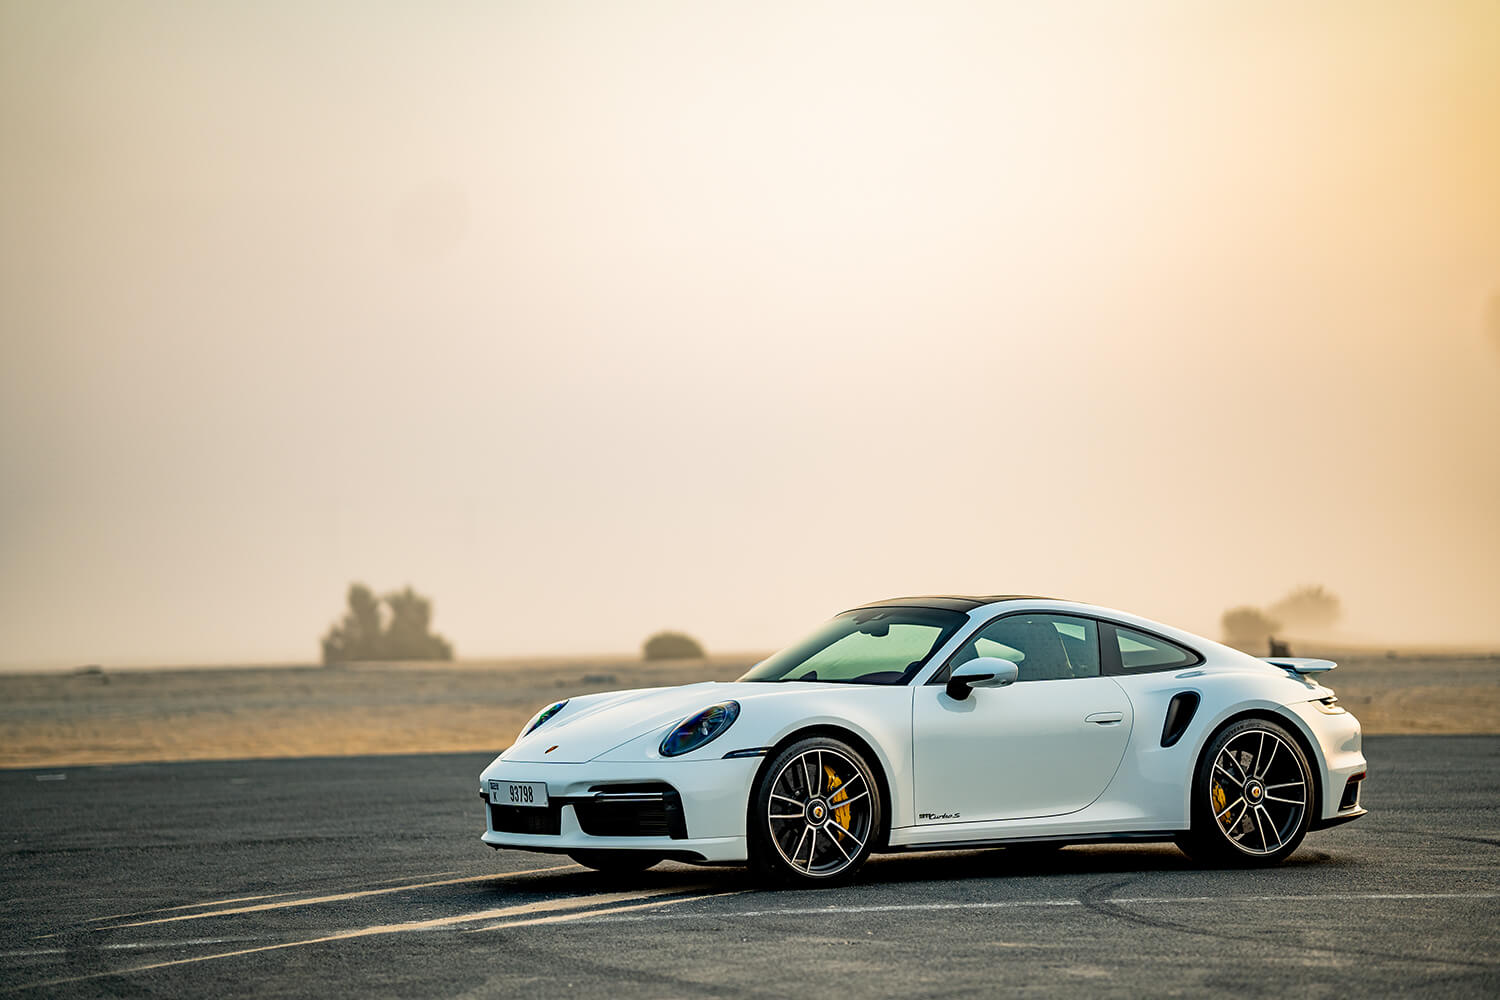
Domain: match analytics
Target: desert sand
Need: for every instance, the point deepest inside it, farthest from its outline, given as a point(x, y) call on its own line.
point(112, 717)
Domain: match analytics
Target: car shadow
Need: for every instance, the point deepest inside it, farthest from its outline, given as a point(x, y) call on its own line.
point(918, 867)
point(1078, 859)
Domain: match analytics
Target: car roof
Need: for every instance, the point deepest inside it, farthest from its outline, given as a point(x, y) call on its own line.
point(949, 602)
point(968, 603)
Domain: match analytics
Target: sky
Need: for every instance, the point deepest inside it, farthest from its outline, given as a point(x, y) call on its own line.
point(589, 320)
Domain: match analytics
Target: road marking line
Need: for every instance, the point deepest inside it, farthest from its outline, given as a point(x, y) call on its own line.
point(537, 906)
point(567, 917)
point(1009, 904)
point(404, 878)
point(129, 946)
point(337, 897)
point(435, 923)
point(236, 899)
point(608, 914)
point(1306, 897)
point(188, 943)
point(189, 906)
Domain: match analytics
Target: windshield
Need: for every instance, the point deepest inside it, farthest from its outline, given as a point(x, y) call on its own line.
point(868, 646)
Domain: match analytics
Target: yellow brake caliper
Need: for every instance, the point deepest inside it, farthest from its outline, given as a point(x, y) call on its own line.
point(840, 813)
point(1220, 799)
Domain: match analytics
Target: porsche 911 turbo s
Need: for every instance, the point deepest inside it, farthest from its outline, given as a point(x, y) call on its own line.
point(924, 723)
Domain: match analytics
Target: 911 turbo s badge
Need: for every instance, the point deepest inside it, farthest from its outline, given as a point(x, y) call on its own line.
point(937, 815)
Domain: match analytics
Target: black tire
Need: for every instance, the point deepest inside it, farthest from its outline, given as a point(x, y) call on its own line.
point(1253, 797)
point(616, 862)
point(834, 789)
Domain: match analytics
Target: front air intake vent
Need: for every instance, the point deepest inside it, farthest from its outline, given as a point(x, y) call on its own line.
point(518, 819)
point(1180, 712)
point(1350, 797)
point(649, 809)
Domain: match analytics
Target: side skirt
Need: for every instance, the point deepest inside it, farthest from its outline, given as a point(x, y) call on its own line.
point(1138, 837)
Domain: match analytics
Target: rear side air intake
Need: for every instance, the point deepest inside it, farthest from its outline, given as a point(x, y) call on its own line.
point(1180, 712)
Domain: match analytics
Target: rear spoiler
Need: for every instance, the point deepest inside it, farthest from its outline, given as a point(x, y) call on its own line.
point(1300, 664)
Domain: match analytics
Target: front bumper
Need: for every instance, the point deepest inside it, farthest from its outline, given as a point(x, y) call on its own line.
point(1344, 766)
point(690, 810)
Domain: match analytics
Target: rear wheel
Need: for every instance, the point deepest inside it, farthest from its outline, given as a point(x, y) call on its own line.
point(616, 862)
point(1252, 796)
point(815, 814)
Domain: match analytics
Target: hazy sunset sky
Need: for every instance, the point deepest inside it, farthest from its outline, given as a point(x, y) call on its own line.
point(592, 319)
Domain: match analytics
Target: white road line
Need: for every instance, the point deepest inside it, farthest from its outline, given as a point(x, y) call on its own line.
point(1015, 904)
point(1307, 898)
point(408, 878)
point(188, 943)
point(835, 910)
point(569, 917)
point(337, 897)
point(191, 906)
point(436, 923)
point(130, 946)
point(236, 899)
point(526, 914)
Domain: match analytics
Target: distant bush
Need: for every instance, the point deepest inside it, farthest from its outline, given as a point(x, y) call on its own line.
point(1308, 607)
point(1248, 629)
point(672, 646)
point(400, 630)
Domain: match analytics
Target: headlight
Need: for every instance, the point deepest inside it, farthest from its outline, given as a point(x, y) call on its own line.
point(703, 728)
point(543, 716)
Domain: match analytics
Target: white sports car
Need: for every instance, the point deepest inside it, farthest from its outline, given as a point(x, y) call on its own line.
point(940, 722)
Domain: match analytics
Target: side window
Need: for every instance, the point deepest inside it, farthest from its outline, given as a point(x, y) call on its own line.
point(1139, 651)
point(1044, 647)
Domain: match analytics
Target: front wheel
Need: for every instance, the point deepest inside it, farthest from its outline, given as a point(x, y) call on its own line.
point(815, 814)
point(1252, 797)
point(616, 862)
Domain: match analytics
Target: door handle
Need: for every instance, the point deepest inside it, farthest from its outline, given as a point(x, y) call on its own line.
point(1105, 718)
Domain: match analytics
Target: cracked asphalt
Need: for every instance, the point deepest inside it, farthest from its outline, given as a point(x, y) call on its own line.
point(364, 876)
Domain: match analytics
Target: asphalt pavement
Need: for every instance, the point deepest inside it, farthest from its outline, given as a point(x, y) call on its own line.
point(347, 877)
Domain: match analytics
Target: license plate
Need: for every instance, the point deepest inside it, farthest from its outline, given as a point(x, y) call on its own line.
point(518, 793)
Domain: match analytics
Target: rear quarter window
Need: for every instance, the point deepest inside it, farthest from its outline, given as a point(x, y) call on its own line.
point(1139, 651)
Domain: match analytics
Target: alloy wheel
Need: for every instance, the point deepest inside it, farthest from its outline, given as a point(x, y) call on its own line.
point(1258, 791)
point(820, 812)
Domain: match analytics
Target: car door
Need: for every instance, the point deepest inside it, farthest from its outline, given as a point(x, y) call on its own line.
point(1045, 746)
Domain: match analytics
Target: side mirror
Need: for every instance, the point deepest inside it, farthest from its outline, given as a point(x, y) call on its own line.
point(984, 672)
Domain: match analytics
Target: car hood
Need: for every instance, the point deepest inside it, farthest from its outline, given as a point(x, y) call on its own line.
point(592, 725)
point(596, 724)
